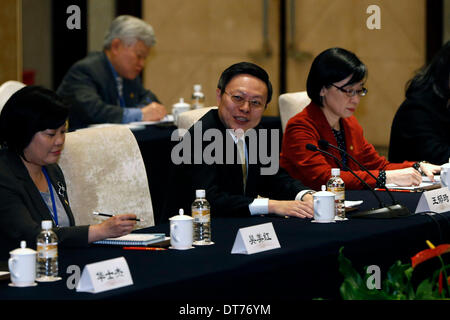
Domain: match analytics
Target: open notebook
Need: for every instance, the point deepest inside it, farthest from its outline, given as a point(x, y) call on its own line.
point(134, 239)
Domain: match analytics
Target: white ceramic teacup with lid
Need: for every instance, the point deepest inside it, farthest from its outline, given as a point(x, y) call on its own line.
point(178, 108)
point(324, 206)
point(22, 266)
point(445, 175)
point(181, 231)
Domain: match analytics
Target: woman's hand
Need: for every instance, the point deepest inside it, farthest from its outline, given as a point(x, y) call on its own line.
point(404, 177)
point(429, 169)
point(116, 226)
point(293, 208)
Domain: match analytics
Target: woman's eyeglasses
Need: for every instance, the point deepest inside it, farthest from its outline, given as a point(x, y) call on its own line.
point(351, 93)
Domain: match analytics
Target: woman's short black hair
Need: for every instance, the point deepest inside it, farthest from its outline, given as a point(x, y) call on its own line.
point(435, 76)
point(245, 68)
point(330, 66)
point(30, 110)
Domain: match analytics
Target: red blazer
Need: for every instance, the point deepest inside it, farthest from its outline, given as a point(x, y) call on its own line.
point(314, 168)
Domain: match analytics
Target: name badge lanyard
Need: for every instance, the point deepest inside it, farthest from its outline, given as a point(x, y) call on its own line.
point(52, 196)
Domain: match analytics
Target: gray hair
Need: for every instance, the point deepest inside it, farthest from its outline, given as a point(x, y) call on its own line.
point(129, 29)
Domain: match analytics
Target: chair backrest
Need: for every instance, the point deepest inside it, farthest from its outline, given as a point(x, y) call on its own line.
point(291, 104)
point(188, 118)
point(7, 89)
point(105, 172)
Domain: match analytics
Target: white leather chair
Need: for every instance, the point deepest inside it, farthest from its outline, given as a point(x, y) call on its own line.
point(188, 118)
point(105, 172)
point(7, 89)
point(290, 104)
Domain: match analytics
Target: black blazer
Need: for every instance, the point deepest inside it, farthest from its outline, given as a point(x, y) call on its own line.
point(223, 182)
point(90, 88)
point(22, 208)
point(421, 131)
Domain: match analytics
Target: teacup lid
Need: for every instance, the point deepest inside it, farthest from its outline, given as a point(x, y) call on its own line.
point(23, 250)
point(181, 103)
point(323, 193)
point(181, 216)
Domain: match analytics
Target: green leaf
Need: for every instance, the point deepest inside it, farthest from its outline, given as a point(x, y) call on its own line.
point(425, 291)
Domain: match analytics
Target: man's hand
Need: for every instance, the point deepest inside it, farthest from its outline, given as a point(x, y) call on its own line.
point(153, 112)
point(294, 208)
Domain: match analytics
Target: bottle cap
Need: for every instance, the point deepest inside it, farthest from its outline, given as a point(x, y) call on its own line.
point(197, 87)
point(46, 224)
point(335, 172)
point(200, 193)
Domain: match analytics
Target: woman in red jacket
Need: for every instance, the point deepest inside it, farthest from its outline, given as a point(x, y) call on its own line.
point(335, 85)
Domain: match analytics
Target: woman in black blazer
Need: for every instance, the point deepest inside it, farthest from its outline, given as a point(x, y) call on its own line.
point(421, 126)
point(32, 186)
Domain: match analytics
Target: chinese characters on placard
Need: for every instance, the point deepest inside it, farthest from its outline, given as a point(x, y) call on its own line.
point(109, 275)
point(440, 199)
point(259, 238)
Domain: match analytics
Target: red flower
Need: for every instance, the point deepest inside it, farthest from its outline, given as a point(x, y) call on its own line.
point(441, 282)
point(426, 254)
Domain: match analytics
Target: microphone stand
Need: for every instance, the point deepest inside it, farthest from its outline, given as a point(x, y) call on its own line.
point(392, 211)
point(324, 144)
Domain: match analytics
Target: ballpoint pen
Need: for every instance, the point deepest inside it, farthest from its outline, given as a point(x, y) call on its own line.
point(111, 215)
point(144, 248)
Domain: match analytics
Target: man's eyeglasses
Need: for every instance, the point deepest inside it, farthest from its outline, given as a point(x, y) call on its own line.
point(352, 93)
point(240, 100)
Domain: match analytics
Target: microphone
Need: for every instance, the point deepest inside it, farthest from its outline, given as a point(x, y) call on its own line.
point(393, 211)
point(324, 144)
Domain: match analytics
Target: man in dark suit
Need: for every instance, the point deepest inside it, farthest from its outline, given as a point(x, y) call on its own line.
point(217, 156)
point(105, 87)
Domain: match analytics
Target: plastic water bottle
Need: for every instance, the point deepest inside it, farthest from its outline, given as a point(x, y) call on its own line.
point(47, 254)
point(198, 98)
point(337, 186)
point(202, 219)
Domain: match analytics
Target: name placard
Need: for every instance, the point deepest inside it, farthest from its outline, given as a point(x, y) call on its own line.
point(255, 239)
point(437, 200)
point(105, 275)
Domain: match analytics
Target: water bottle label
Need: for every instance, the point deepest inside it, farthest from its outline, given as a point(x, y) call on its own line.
point(201, 215)
point(339, 192)
point(47, 251)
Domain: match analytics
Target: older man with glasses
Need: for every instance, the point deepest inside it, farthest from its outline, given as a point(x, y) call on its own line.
point(105, 87)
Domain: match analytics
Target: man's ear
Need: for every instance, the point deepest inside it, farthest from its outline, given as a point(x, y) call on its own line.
point(116, 44)
point(218, 96)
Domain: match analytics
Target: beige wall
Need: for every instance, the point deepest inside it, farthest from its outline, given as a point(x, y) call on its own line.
point(392, 53)
point(100, 15)
point(197, 39)
point(37, 38)
point(11, 40)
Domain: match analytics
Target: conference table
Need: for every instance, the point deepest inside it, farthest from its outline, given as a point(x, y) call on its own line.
point(304, 268)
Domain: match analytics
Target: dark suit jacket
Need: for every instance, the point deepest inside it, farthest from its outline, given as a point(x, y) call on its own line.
point(421, 131)
point(89, 86)
point(22, 208)
point(223, 182)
